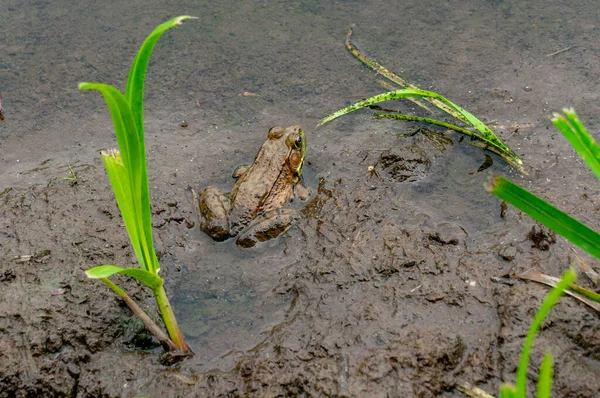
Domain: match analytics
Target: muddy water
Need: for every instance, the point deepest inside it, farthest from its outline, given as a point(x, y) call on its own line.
point(384, 287)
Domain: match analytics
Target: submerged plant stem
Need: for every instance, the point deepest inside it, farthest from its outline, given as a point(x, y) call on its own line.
point(169, 318)
point(164, 340)
point(473, 135)
point(411, 118)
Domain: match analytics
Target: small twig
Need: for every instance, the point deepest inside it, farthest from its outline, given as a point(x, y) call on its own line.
point(587, 270)
point(164, 340)
point(559, 51)
point(585, 296)
point(472, 391)
point(1, 115)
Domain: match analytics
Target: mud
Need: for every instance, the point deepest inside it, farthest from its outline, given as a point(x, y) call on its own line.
point(396, 280)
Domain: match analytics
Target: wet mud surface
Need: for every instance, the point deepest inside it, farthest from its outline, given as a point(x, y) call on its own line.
point(394, 283)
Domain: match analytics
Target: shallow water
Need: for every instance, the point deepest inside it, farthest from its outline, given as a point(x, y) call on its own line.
point(244, 67)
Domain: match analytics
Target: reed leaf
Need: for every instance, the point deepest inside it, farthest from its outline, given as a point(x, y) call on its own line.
point(485, 135)
point(544, 387)
point(579, 137)
point(127, 171)
point(543, 212)
point(104, 271)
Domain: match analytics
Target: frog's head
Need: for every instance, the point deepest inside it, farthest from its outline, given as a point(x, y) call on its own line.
point(295, 140)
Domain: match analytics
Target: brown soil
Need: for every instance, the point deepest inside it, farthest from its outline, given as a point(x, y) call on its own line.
point(396, 284)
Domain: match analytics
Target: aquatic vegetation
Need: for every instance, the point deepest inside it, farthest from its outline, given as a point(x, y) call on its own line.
point(544, 387)
point(128, 176)
point(538, 209)
point(545, 378)
point(481, 134)
point(563, 224)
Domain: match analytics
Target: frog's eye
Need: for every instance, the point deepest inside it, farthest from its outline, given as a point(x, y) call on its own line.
point(294, 142)
point(276, 132)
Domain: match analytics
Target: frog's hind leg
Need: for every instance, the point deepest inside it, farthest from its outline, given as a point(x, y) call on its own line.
point(214, 209)
point(267, 226)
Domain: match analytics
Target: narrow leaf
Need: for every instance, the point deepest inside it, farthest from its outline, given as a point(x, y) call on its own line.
point(486, 135)
point(133, 158)
point(544, 387)
point(134, 93)
point(119, 180)
point(145, 277)
point(135, 82)
point(377, 67)
point(551, 299)
point(579, 137)
point(543, 212)
point(507, 391)
point(588, 297)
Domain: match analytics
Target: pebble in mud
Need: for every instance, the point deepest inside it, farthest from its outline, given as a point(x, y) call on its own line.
point(508, 252)
point(541, 237)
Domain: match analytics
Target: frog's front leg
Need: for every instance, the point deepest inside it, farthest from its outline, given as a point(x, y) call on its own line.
point(267, 226)
point(214, 211)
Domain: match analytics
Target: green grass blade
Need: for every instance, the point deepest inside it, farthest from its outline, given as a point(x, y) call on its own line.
point(133, 190)
point(119, 180)
point(507, 391)
point(128, 175)
point(589, 294)
point(400, 116)
point(544, 387)
point(486, 135)
point(578, 136)
point(124, 124)
point(105, 271)
point(543, 212)
point(134, 93)
point(377, 67)
point(551, 299)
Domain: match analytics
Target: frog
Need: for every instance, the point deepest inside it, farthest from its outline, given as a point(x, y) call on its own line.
point(258, 207)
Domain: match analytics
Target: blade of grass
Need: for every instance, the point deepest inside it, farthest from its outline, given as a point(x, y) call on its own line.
point(579, 137)
point(456, 128)
point(377, 67)
point(128, 174)
point(587, 297)
point(134, 94)
point(123, 189)
point(551, 299)
point(125, 169)
point(544, 389)
point(485, 135)
point(104, 271)
point(543, 212)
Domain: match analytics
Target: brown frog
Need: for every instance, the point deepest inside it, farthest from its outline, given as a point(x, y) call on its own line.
point(255, 209)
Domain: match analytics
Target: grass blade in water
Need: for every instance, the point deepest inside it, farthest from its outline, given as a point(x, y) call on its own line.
point(551, 299)
point(377, 67)
point(543, 212)
point(578, 136)
point(485, 134)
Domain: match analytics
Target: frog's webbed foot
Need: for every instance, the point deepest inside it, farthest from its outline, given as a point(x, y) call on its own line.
point(267, 226)
point(214, 209)
point(302, 192)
